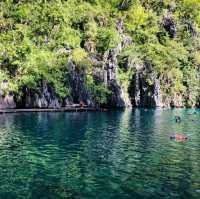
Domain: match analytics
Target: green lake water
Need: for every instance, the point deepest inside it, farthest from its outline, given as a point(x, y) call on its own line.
point(110, 155)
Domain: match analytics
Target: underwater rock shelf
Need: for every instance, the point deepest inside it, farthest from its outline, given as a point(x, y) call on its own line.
point(49, 110)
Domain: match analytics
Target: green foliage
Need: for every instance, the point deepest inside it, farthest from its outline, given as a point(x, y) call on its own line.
point(191, 8)
point(107, 38)
point(191, 81)
point(3, 76)
point(99, 91)
point(33, 33)
point(197, 58)
point(78, 55)
point(136, 17)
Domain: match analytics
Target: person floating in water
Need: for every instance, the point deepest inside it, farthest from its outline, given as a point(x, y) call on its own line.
point(178, 119)
point(178, 137)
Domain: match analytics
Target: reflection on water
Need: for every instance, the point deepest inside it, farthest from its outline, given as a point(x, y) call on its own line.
point(113, 155)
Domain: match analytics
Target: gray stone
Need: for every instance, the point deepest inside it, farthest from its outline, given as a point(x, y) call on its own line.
point(7, 102)
point(170, 26)
point(119, 95)
point(44, 99)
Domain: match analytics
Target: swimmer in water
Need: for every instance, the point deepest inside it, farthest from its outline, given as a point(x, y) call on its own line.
point(178, 119)
point(178, 137)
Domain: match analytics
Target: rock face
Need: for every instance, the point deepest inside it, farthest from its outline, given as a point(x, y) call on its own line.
point(143, 91)
point(144, 94)
point(170, 26)
point(190, 27)
point(43, 99)
point(6, 101)
point(77, 84)
point(117, 99)
point(177, 101)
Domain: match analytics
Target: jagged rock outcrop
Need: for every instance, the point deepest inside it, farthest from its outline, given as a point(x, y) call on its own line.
point(190, 27)
point(6, 100)
point(144, 94)
point(170, 26)
point(77, 83)
point(145, 89)
point(177, 101)
point(125, 4)
point(44, 98)
point(117, 99)
point(140, 93)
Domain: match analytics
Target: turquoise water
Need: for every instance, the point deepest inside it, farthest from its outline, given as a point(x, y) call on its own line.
point(110, 155)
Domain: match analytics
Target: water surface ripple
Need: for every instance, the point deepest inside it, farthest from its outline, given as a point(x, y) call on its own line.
point(111, 155)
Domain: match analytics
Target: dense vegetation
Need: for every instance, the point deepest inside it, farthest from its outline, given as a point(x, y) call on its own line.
point(38, 38)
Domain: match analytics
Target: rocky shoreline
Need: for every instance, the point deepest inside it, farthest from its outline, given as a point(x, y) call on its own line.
point(51, 110)
point(145, 88)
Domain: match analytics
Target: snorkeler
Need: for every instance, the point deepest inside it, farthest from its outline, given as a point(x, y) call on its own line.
point(178, 119)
